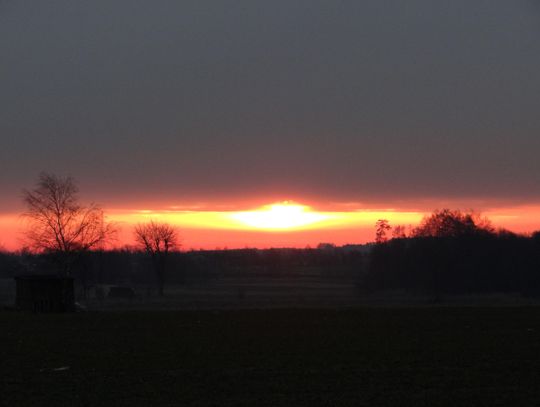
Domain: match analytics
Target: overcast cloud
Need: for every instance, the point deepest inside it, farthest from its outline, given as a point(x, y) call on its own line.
point(222, 100)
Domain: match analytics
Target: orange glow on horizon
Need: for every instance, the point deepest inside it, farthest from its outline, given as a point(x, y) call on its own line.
point(278, 224)
point(281, 216)
point(284, 217)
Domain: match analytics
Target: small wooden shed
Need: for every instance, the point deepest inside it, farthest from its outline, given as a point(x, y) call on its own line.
point(44, 293)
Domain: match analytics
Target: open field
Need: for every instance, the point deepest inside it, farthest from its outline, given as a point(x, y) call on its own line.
point(271, 293)
point(423, 356)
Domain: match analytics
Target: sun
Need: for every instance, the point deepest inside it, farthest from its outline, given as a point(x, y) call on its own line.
point(280, 216)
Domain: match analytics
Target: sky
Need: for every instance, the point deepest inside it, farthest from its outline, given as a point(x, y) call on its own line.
point(227, 106)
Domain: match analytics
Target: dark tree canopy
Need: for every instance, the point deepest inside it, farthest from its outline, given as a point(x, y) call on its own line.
point(453, 223)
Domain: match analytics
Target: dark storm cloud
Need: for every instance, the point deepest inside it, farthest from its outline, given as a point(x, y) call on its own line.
point(336, 100)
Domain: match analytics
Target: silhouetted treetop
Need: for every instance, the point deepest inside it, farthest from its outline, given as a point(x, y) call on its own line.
point(382, 227)
point(158, 240)
point(59, 223)
point(453, 223)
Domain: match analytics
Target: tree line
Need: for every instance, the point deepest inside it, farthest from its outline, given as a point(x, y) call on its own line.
point(69, 238)
point(452, 252)
point(63, 229)
point(449, 252)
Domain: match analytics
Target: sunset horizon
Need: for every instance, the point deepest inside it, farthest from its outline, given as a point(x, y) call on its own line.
point(295, 224)
point(286, 203)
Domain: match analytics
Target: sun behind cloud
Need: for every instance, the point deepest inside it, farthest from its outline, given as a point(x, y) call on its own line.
point(280, 216)
point(286, 216)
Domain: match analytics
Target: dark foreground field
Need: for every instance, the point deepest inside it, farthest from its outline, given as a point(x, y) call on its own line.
point(373, 356)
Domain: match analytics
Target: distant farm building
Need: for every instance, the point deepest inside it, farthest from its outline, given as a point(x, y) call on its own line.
point(44, 294)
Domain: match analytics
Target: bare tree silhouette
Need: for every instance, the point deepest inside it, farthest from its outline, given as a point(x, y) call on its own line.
point(382, 227)
point(158, 240)
point(59, 224)
point(399, 232)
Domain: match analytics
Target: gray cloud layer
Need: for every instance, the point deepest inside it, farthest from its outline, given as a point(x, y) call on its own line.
point(333, 100)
